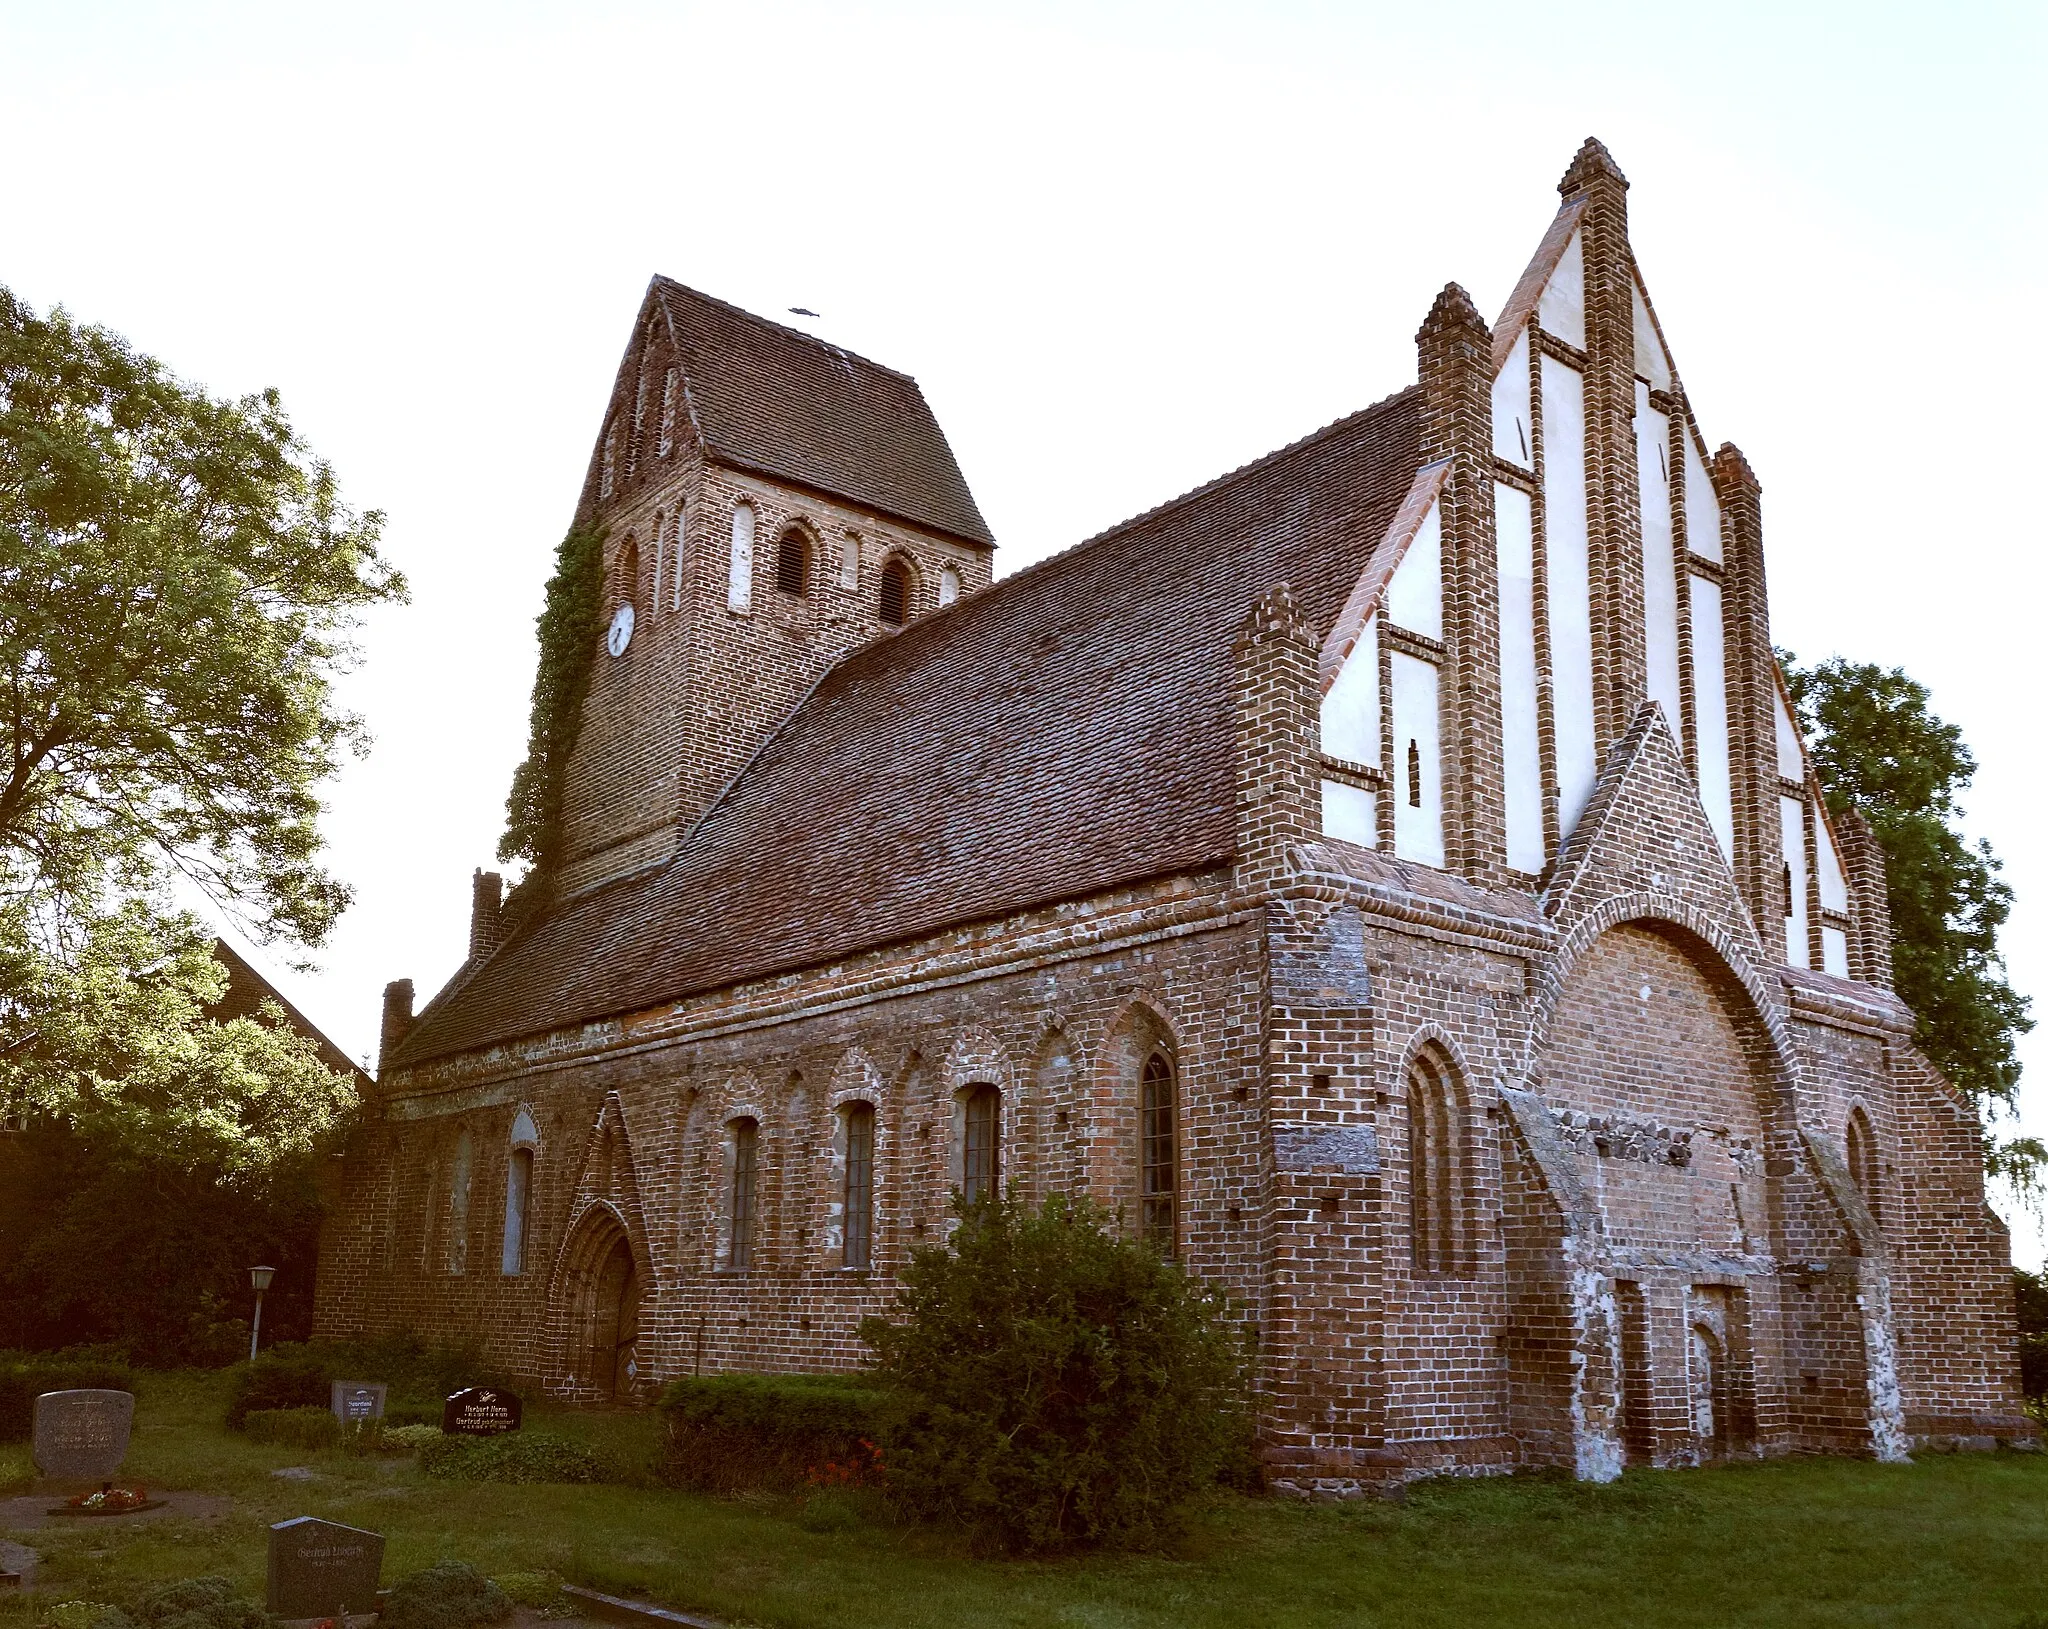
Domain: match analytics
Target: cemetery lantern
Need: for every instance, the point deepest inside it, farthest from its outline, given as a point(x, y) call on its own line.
point(259, 1281)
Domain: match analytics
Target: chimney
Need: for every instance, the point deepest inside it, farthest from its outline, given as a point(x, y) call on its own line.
point(397, 1019)
point(486, 918)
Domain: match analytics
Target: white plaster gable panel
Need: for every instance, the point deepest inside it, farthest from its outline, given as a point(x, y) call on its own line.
point(1827, 864)
point(1568, 598)
point(739, 587)
point(1351, 814)
point(1562, 309)
point(1834, 952)
point(1710, 709)
point(1417, 770)
point(1370, 589)
point(1652, 361)
point(1415, 595)
point(1791, 755)
point(1702, 508)
point(1792, 823)
point(1660, 566)
point(1521, 746)
point(1511, 439)
point(1521, 307)
point(1351, 706)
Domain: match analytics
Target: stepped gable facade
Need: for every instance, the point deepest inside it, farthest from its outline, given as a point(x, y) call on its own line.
point(1390, 874)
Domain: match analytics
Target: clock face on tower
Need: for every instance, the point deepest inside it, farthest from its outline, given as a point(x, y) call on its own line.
point(620, 634)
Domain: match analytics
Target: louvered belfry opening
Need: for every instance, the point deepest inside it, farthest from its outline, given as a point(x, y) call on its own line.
point(893, 599)
point(793, 564)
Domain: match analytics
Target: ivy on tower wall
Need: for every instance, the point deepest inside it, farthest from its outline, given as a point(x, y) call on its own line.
point(569, 625)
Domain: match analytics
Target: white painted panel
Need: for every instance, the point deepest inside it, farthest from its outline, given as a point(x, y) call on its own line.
point(1660, 567)
point(849, 562)
point(1418, 763)
point(1792, 822)
point(1791, 758)
point(1521, 753)
point(949, 585)
point(1415, 598)
point(739, 588)
point(1562, 307)
point(1651, 362)
point(1351, 706)
point(1834, 886)
point(1710, 710)
point(1834, 952)
point(1702, 508)
point(1568, 598)
point(1511, 406)
point(1351, 814)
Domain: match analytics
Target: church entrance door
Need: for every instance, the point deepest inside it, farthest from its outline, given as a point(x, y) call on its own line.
point(614, 1356)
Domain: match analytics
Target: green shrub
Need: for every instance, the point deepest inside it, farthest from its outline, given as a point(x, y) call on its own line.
point(86, 1615)
point(447, 1595)
point(410, 1439)
point(725, 1433)
point(518, 1456)
point(285, 1377)
point(24, 1379)
point(1057, 1384)
point(200, 1603)
point(314, 1429)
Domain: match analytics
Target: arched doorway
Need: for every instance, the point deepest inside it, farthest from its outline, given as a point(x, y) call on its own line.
point(613, 1363)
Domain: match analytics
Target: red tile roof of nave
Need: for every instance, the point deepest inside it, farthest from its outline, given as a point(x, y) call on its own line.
point(1066, 731)
point(780, 402)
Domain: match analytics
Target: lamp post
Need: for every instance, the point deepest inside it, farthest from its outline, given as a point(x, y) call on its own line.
point(259, 1281)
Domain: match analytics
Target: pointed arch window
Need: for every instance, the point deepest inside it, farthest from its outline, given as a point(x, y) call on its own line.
point(1158, 1140)
point(746, 1155)
point(980, 1156)
point(892, 599)
point(1861, 1143)
point(458, 1203)
point(1435, 1167)
point(858, 1119)
point(518, 1195)
point(793, 564)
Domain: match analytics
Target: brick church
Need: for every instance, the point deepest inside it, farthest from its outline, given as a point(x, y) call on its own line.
point(1390, 874)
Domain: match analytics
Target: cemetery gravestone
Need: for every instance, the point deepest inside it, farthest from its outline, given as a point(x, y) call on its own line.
point(82, 1436)
point(357, 1402)
point(322, 1569)
point(480, 1411)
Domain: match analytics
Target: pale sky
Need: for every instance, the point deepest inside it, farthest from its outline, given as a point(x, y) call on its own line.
point(1123, 247)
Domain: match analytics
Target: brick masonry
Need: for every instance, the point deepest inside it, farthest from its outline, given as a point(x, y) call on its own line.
point(1632, 1230)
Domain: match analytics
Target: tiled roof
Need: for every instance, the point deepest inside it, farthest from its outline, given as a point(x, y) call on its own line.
point(1065, 731)
point(770, 399)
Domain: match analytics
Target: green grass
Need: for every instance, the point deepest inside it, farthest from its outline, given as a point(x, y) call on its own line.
point(1949, 1541)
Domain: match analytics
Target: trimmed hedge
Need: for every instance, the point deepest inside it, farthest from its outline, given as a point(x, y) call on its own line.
point(732, 1432)
point(23, 1380)
point(302, 1376)
point(518, 1456)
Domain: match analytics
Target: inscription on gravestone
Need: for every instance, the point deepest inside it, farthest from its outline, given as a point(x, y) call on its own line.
point(480, 1411)
point(321, 1569)
point(358, 1401)
point(82, 1436)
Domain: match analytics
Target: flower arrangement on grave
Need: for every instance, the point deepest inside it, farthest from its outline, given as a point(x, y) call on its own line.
point(108, 1499)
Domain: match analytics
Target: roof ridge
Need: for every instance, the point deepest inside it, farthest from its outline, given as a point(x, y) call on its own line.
point(663, 281)
point(880, 646)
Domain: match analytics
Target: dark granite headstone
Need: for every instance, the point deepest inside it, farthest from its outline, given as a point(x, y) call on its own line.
point(321, 1569)
point(356, 1402)
point(480, 1411)
point(82, 1436)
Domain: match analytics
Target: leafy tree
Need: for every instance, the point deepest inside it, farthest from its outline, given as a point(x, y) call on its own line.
point(1877, 744)
point(570, 621)
point(179, 579)
point(1059, 1385)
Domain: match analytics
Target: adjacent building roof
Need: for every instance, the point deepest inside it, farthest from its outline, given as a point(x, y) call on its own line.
point(1066, 731)
point(248, 990)
point(770, 399)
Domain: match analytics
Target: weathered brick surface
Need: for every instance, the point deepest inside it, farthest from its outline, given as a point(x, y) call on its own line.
point(1503, 1170)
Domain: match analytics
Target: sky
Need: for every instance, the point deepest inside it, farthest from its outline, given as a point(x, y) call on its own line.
point(1124, 247)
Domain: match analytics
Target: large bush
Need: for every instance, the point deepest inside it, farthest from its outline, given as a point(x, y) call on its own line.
point(1057, 1384)
point(25, 1378)
point(2031, 1296)
point(725, 1433)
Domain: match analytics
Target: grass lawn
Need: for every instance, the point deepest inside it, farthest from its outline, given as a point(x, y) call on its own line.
point(1949, 1541)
